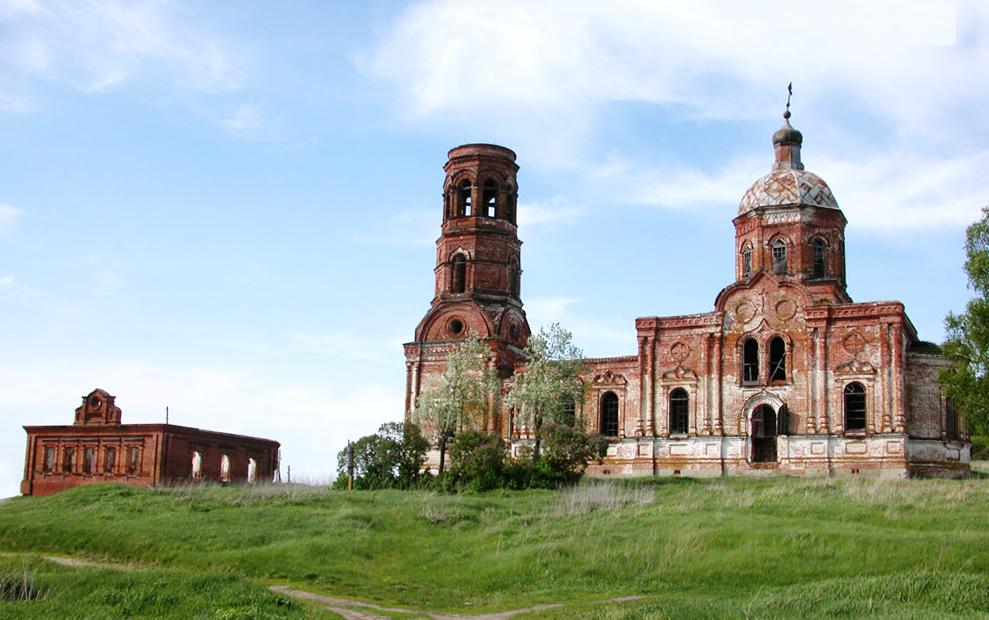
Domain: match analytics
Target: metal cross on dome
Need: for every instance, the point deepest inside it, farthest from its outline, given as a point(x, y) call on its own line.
point(789, 93)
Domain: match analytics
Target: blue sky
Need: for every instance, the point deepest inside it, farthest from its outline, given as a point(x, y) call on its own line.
point(230, 208)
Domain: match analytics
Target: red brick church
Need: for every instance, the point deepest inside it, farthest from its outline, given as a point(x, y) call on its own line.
point(98, 447)
point(785, 374)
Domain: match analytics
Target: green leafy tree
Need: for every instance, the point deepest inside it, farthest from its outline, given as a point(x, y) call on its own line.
point(548, 387)
point(462, 395)
point(477, 461)
point(391, 458)
point(967, 344)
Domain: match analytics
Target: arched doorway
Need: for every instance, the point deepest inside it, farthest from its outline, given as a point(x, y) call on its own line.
point(764, 435)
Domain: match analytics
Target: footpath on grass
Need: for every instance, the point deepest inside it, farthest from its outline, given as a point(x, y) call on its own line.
point(346, 608)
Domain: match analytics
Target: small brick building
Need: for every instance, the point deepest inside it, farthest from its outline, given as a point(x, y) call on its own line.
point(786, 374)
point(99, 448)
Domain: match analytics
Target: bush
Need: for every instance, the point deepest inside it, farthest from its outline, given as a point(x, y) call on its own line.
point(393, 458)
point(567, 451)
point(477, 461)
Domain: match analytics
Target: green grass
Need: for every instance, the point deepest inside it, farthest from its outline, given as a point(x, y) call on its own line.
point(716, 548)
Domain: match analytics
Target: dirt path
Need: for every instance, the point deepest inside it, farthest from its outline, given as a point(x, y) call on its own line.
point(346, 608)
point(349, 609)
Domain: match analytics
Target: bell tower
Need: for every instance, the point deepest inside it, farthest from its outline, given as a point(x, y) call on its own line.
point(478, 269)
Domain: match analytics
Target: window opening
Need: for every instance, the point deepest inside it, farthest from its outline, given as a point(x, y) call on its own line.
point(747, 260)
point(197, 465)
point(459, 277)
point(224, 468)
point(490, 198)
point(609, 415)
point(777, 359)
point(854, 407)
point(67, 458)
point(820, 251)
point(48, 465)
point(464, 199)
point(679, 412)
point(569, 416)
point(110, 461)
point(764, 435)
point(750, 361)
point(133, 460)
point(252, 471)
point(514, 276)
point(779, 257)
point(88, 458)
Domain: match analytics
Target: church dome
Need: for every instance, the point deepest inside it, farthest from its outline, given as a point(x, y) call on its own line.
point(781, 188)
point(788, 184)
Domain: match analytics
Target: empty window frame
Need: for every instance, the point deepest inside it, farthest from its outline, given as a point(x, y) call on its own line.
point(458, 276)
point(777, 359)
point(48, 464)
point(464, 199)
point(679, 412)
point(89, 461)
point(609, 414)
point(779, 256)
point(855, 407)
point(196, 472)
point(224, 468)
point(133, 460)
point(819, 250)
point(514, 278)
point(68, 456)
point(490, 198)
point(110, 461)
point(252, 471)
point(750, 361)
point(747, 260)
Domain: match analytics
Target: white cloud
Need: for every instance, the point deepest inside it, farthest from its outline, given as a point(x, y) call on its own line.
point(552, 211)
point(595, 335)
point(7, 281)
point(8, 216)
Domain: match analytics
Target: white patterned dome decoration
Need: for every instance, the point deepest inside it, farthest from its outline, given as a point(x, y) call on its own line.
point(788, 187)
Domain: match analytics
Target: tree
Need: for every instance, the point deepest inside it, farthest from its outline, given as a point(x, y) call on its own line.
point(546, 388)
point(966, 383)
point(391, 458)
point(462, 395)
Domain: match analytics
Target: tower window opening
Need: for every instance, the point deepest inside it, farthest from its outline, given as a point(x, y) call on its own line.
point(750, 362)
point(458, 279)
point(854, 407)
point(779, 257)
point(514, 278)
point(510, 204)
point(609, 414)
point(490, 198)
point(464, 199)
point(820, 252)
point(777, 359)
point(747, 260)
point(679, 412)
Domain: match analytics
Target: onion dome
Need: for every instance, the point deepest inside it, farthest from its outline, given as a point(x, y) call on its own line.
point(788, 185)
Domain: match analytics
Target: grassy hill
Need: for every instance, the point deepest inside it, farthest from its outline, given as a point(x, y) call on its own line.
point(716, 548)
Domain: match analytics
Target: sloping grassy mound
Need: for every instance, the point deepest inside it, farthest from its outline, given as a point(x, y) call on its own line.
point(783, 547)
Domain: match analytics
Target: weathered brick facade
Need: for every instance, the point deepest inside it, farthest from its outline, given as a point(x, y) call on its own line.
point(785, 374)
point(99, 448)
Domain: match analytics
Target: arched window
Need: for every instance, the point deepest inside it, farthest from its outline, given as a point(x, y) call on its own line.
point(512, 199)
point(67, 457)
point(252, 471)
point(609, 414)
point(679, 412)
point(89, 461)
point(750, 361)
point(747, 260)
point(569, 416)
point(133, 460)
point(777, 359)
point(464, 199)
point(854, 407)
point(48, 465)
point(820, 250)
point(779, 256)
point(458, 277)
point(197, 466)
point(490, 198)
point(224, 468)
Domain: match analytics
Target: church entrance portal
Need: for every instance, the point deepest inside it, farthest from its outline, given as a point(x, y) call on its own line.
point(764, 435)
